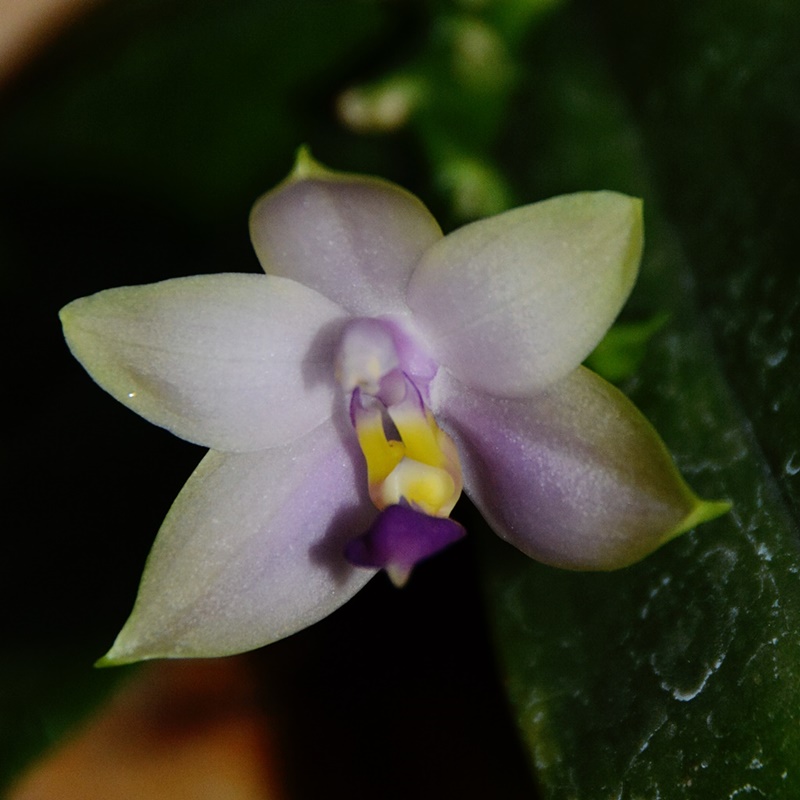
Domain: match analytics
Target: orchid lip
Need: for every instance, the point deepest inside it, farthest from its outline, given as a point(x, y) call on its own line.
point(401, 537)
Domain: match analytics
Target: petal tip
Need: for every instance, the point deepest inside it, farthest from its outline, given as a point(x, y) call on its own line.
point(637, 232)
point(306, 166)
point(69, 316)
point(110, 660)
point(129, 649)
point(65, 313)
point(625, 219)
point(702, 511)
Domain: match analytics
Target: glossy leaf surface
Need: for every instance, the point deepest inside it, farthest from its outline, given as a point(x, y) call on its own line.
point(678, 677)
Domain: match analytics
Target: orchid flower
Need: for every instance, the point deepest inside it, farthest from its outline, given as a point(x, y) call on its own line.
point(349, 394)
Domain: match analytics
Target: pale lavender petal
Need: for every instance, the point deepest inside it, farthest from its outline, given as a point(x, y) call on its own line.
point(512, 303)
point(352, 238)
point(234, 362)
point(575, 476)
point(251, 551)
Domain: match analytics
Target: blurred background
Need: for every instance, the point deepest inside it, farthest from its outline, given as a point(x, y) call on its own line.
point(135, 137)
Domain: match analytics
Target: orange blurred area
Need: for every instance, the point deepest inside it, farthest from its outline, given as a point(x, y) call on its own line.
point(26, 26)
point(191, 730)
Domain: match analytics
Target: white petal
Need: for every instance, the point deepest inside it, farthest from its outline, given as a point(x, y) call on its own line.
point(234, 362)
point(514, 302)
point(251, 552)
point(352, 238)
point(575, 477)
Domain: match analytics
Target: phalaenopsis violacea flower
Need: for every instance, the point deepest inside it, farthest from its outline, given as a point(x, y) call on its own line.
point(349, 393)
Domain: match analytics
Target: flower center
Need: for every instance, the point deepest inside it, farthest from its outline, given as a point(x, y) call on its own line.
point(413, 470)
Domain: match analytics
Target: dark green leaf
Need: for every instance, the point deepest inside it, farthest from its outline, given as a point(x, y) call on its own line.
point(678, 677)
point(716, 91)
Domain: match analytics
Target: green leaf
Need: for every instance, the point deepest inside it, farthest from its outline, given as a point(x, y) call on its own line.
point(680, 676)
point(715, 93)
point(623, 349)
